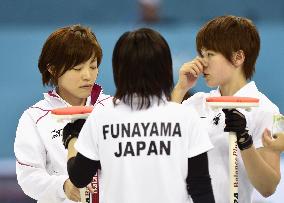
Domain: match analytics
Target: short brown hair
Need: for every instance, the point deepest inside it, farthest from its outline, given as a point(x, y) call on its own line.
point(142, 67)
point(65, 48)
point(228, 34)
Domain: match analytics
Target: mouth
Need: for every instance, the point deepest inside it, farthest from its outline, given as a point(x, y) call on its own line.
point(87, 86)
point(205, 75)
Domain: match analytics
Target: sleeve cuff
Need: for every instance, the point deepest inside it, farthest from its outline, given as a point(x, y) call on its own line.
point(196, 151)
point(82, 151)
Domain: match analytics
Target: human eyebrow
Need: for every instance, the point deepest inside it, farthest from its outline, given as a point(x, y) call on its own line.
point(210, 52)
point(203, 52)
point(94, 60)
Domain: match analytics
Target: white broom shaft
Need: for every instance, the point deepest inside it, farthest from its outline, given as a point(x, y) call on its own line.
point(87, 196)
point(84, 194)
point(233, 167)
point(229, 103)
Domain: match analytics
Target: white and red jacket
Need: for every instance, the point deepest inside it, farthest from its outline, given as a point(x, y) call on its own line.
point(41, 157)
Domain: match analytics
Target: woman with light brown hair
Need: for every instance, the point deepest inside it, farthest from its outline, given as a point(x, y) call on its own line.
point(69, 63)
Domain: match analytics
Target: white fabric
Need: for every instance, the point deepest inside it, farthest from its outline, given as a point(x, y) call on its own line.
point(41, 157)
point(151, 174)
point(257, 120)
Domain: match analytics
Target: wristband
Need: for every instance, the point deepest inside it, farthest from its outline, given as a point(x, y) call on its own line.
point(244, 140)
point(72, 130)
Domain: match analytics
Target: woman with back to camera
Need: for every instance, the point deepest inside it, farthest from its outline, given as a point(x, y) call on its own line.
point(150, 149)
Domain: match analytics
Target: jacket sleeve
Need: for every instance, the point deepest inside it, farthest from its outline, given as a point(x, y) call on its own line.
point(31, 170)
point(81, 170)
point(198, 180)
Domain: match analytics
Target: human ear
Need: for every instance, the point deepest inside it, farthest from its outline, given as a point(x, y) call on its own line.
point(238, 58)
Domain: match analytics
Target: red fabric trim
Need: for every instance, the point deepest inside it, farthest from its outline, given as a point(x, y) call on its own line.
point(51, 94)
point(41, 117)
point(47, 111)
point(99, 102)
point(95, 93)
point(95, 184)
point(35, 107)
point(23, 164)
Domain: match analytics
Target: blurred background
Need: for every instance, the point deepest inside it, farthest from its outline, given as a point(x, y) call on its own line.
point(25, 25)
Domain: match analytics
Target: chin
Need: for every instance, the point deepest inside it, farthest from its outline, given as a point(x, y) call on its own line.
point(85, 95)
point(211, 85)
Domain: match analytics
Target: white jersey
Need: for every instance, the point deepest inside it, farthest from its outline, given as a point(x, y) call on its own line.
point(41, 157)
point(143, 154)
point(258, 119)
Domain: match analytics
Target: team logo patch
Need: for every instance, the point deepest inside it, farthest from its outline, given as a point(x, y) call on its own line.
point(216, 119)
point(56, 133)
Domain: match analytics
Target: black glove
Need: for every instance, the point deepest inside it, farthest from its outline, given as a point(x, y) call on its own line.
point(72, 130)
point(236, 122)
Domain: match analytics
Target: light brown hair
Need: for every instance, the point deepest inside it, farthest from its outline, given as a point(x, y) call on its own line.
point(65, 48)
point(229, 34)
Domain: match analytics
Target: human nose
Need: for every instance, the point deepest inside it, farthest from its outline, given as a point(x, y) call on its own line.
point(204, 61)
point(86, 73)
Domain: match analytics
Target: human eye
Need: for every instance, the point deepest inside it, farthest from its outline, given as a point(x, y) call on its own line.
point(210, 54)
point(77, 68)
point(94, 66)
